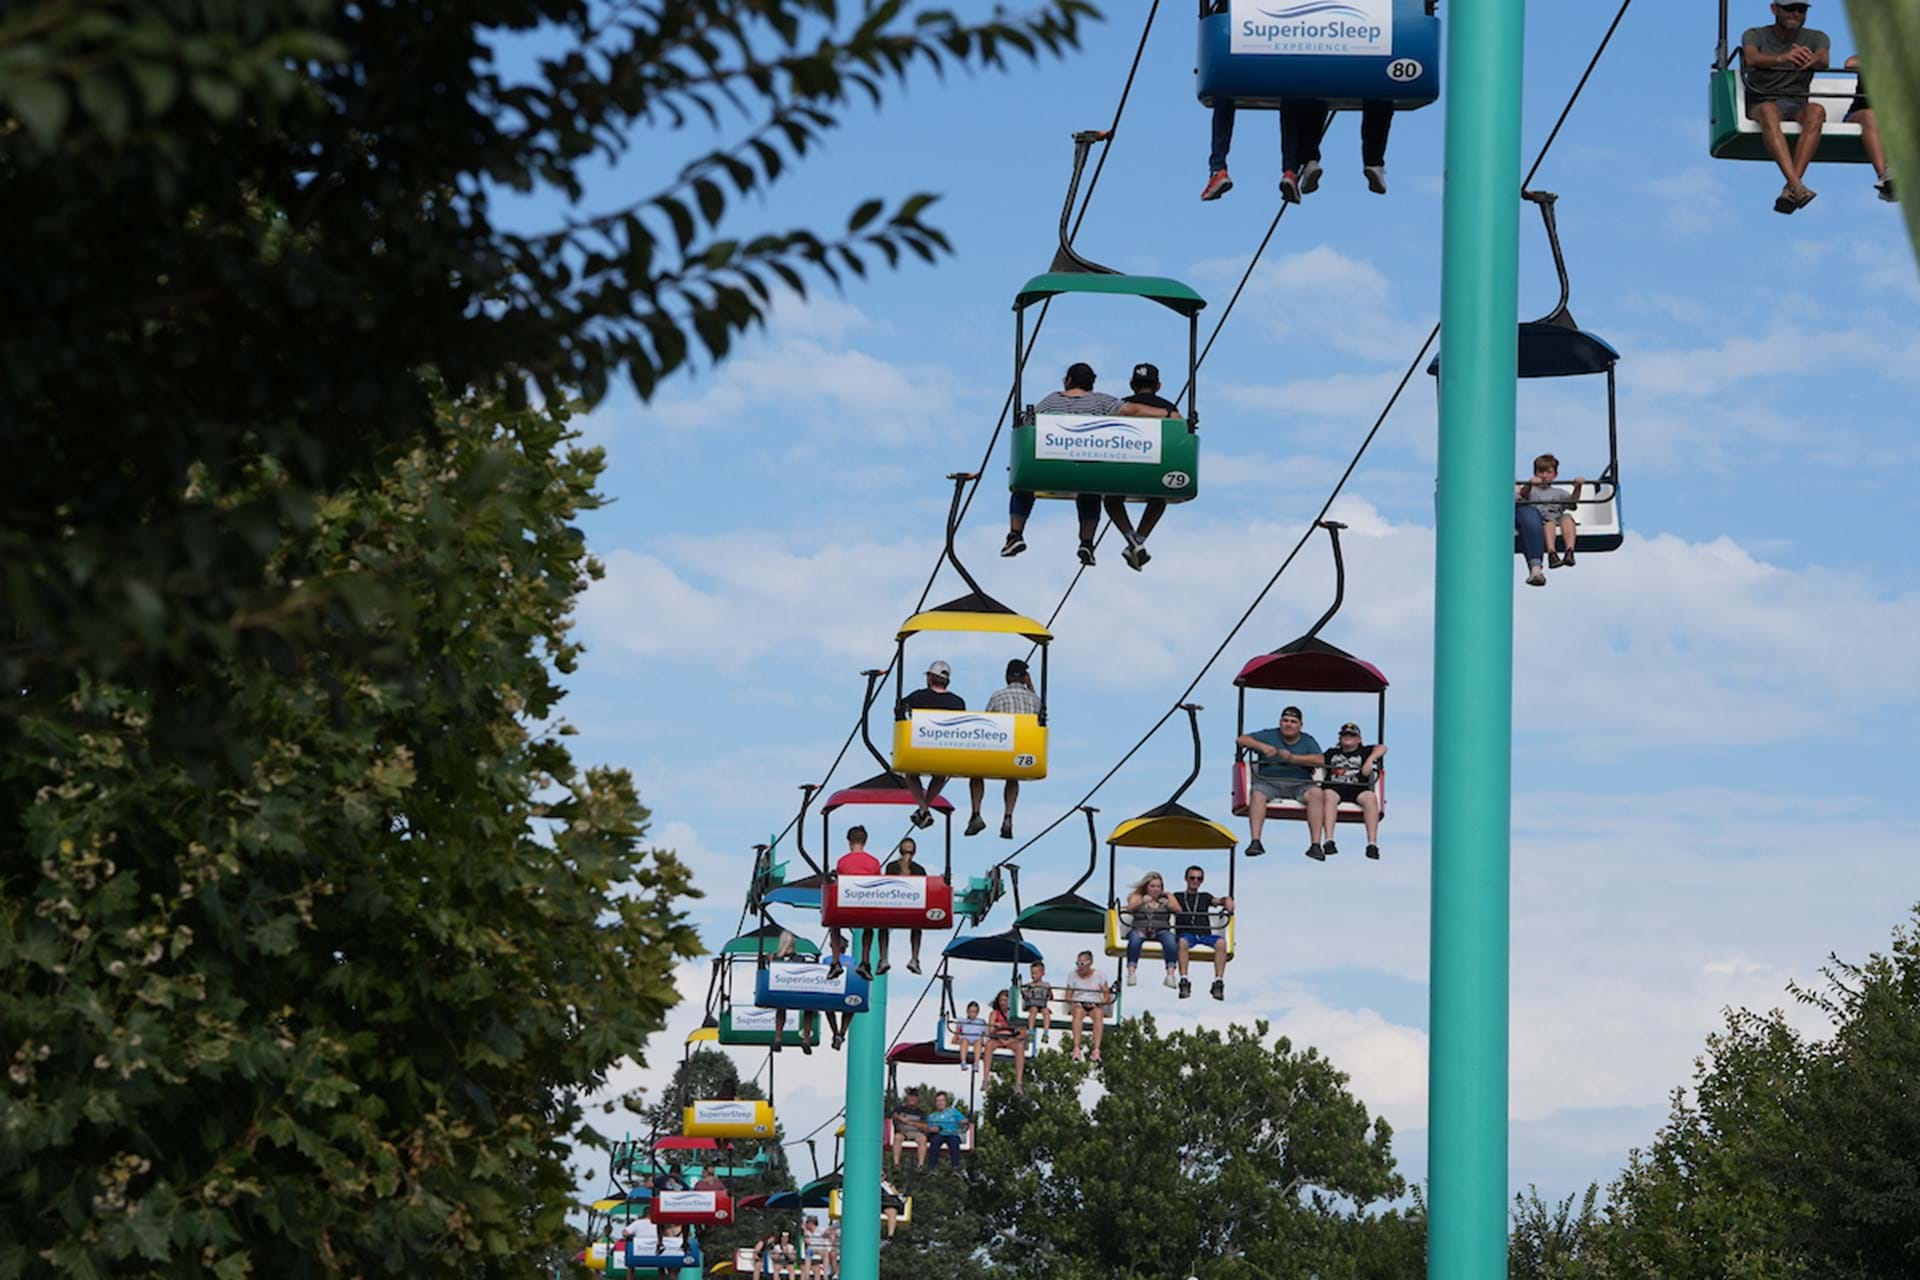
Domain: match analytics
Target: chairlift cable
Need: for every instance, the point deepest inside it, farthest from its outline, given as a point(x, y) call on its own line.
point(1568, 109)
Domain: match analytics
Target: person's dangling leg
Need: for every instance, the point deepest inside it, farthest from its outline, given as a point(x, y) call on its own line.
point(1376, 122)
point(1218, 183)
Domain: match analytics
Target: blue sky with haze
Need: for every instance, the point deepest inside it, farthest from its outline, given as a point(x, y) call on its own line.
point(1712, 727)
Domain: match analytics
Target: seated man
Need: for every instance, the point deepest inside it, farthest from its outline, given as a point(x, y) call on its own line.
point(1193, 920)
point(1778, 62)
point(1076, 396)
point(1016, 697)
point(1283, 765)
point(1352, 767)
point(909, 1122)
point(1860, 112)
point(1088, 995)
point(944, 1128)
point(1146, 391)
point(936, 696)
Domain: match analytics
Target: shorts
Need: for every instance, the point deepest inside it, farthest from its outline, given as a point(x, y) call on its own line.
point(1202, 939)
point(1790, 108)
point(1858, 105)
point(1091, 1004)
point(1552, 514)
point(1282, 788)
point(1349, 792)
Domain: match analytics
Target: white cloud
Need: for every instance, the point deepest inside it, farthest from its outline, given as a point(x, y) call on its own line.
point(1323, 296)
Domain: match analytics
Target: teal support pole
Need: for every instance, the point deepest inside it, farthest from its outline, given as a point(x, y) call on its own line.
point(866, 1099)
point(1473, 646)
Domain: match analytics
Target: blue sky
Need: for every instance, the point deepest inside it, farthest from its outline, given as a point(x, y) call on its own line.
point(1711, 726)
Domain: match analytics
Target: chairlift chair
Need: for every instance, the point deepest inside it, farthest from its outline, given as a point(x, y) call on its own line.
point(1256, 54)
point(1170, 826)
point(1310, 665)
point(1733, 135)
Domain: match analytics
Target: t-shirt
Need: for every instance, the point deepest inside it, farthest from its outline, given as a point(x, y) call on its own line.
point(1550, 500)
point(1267, 767)
point(1343, 766)
point(949, 1119)
point(905, 867)
point(970, 1028)
point(1036, 993)
point(1157, 402)
point(907, 1115)
point(935, 700)
point(1192, 916)
point(710, 1184)
point(1093, 402)
point(1015, 699)
point(1780, 82)
point(1085, 990)
point(858, 863)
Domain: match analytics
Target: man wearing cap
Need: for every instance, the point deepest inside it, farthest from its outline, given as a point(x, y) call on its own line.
point(1283, 763)
point(1778, 62)
point(1076, 396)
point(1146, 391)
point(1017, 698)
point(935, 697)
point(1352, 767)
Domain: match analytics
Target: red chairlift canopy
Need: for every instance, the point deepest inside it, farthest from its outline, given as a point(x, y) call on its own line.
point(1311, 665)
point(924, 1053)
point(883, 788)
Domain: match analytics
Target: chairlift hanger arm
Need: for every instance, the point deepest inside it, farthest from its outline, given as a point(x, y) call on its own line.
point(1193, 711)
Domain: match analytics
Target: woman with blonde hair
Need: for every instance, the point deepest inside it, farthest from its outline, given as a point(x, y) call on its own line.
point(1149, 918)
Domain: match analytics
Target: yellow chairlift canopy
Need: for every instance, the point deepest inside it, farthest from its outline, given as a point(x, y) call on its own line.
point(1182, 830)
point(1011, 624)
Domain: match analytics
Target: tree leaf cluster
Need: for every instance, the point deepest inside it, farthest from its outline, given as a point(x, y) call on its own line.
point(307, 961)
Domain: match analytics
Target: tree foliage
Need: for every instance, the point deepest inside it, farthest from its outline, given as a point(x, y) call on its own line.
point(1555, 1240)
point(1207, 1155)
point(1888, 33)
point(235, 230)
point(1795, 1156)
point(309, 973)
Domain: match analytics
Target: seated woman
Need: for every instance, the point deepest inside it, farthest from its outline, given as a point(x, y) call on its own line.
point(891, 1203)
point(1152, 915)
point(1002, 1034)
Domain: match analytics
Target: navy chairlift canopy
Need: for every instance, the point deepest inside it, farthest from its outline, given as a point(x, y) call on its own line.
point(995, 948)
point(1556, 351)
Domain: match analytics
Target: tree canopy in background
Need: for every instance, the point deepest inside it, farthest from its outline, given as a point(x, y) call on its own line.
point(327, 989)
point(1888, 32)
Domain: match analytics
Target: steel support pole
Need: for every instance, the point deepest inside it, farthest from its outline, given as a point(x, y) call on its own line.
point(866, 1101)
point(1473, 645)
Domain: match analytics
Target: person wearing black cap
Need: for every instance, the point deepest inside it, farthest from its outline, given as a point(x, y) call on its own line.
point(1352, 767)
point(1076, 396)
point(1778, 61)
point(1017, 698)
point(935, 697)
point(1146, 391)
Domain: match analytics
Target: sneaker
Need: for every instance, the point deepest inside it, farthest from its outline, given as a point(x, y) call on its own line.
point(1329, 848)
point(1219, 990)
point(922, 818)
point(1376, 178)
point(1014, 545)
point(1133, 977)
point(864, 971)
point(1553, 560)
point(884, 968)
point(1173, 978)
point(1255, 848)
point(1290, 187)
point(1136, 556)
point(1006, 828)
point(1315, 852)
point(1536, 576)
point(1086, 554)
point(1373, 851)
point(839, 1041)
point(777, 1046)
point(806, 1048)
point(976, 824)
point(1186, 988)
point(1885, 188)
point(835, 969)
point(913, 965)
point(1310, 178)
point(973, 1068)
point(1218, 184)
point(1566, 561)
point(1046, 1037)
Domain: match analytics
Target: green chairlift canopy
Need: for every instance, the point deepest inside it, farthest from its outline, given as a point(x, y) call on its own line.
point(764, 941)
point(1169, 293)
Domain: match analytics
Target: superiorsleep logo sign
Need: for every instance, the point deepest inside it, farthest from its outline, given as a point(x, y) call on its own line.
point(1336, 27)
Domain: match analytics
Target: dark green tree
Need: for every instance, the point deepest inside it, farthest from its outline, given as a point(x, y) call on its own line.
point(317, 986)
point(234, 231)
point(1207, 1155)
point(948, 1233)
point(1557, 1240)
point(1795, 1156)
